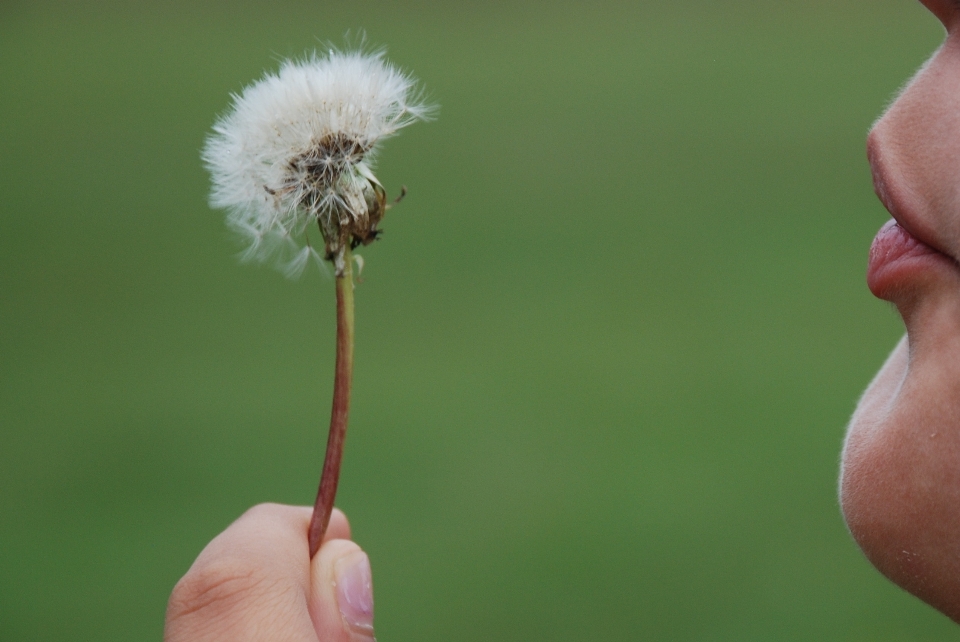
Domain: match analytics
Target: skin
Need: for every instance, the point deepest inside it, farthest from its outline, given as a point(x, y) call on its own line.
point(256, 582)
point(900, 473)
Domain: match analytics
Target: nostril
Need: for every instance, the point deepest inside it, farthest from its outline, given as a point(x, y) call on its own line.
point(944, 10)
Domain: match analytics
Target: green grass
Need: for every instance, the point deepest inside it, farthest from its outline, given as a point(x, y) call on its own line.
point(605, 351)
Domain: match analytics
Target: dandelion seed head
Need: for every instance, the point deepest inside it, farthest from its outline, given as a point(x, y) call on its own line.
point(298, 148)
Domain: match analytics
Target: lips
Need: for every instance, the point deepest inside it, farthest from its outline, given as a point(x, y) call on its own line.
point(897, 258)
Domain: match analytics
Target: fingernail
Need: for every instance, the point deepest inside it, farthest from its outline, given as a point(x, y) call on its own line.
point(355, 591)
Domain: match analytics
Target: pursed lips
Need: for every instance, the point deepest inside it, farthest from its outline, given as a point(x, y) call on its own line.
point(900, 250)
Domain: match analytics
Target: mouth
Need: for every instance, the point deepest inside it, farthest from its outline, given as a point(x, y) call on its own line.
point(897, 258)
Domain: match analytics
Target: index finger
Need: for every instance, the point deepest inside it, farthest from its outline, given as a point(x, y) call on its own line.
point(254, 573)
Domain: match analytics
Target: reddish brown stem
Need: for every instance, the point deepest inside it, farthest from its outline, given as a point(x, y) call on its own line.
point(323, 507)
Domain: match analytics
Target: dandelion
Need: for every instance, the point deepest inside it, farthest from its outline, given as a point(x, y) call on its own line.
point(298, 149)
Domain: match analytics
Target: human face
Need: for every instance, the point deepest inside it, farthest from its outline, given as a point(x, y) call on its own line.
point(900, 473)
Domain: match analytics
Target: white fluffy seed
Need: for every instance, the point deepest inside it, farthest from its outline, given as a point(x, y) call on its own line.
point(297, 148)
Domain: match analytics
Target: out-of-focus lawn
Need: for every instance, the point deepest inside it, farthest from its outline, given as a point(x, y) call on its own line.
point(606, 349)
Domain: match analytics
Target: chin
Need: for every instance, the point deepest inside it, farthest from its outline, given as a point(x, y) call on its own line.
point(900, 476)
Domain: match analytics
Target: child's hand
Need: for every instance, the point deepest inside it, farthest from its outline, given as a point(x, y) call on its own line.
point(255, 581)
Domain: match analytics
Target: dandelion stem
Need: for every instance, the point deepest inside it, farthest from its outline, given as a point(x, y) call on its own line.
point(323, 507)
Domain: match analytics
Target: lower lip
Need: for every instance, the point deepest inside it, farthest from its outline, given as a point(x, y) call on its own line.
point(896, 258)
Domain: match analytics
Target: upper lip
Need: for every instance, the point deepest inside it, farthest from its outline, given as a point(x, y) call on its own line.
point(893, 195)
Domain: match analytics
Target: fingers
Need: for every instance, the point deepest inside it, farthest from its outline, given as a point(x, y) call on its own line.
point(341, 598)
point(252, 574)
point(253, 582)
point(339, 527)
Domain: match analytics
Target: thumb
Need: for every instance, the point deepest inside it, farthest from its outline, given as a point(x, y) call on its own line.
point(341, 593)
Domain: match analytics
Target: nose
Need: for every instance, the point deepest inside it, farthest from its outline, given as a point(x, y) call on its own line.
point(945, 10)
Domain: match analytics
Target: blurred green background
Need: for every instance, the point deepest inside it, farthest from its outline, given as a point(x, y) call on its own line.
point(606, 349)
